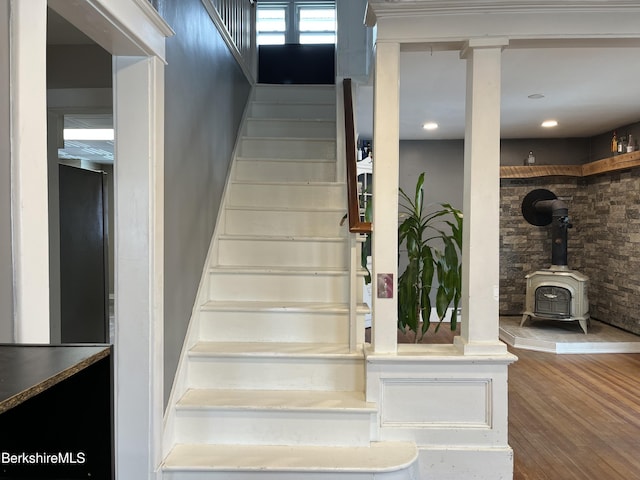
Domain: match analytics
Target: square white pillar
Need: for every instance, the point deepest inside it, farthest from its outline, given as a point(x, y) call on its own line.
point(386, 159)
point(481, 205)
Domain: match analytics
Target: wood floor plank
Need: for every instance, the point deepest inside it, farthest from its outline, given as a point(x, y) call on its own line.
point(574, 416)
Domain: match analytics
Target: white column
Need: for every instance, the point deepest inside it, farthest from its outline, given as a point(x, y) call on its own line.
point(386, 138)
point(139, 252)
point(481, 206)
point(29, 210)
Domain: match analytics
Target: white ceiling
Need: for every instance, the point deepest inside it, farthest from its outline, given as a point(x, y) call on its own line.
point(588, 90)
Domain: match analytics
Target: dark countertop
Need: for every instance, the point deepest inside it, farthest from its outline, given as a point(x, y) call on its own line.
point(27, 370)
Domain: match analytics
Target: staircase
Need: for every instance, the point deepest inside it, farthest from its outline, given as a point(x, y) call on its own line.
point(268, 387)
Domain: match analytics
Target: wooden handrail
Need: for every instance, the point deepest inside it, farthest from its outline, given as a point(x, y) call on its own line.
point(353, 211)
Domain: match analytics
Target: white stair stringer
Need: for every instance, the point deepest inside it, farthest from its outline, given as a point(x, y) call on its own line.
point(268, 387)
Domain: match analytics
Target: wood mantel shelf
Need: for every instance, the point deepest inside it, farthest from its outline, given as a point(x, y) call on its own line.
point(611, 164)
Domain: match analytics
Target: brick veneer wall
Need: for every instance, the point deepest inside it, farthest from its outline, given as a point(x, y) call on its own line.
point(604, 242)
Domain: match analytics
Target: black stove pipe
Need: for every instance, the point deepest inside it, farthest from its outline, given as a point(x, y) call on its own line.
point(559, 226)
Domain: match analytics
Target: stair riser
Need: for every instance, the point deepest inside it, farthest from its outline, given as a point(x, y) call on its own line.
point(292, 111)
point(287, 148)
point(282, 222)
point(262, 427)
point(293, 94)
point(282, 195)
point(265, 373)
point(278, 287)
point(280, 128)
point(264, 326)
point(290, 253)
point(285, 171)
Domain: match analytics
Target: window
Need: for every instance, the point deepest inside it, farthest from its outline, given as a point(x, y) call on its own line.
point(296, 21)
point(271, 24)
point(317, 24)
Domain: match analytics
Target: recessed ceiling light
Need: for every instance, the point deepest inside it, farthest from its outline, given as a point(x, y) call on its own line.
point(430, 126)
point(535, 96)
point(549, 123)
point(88, 134)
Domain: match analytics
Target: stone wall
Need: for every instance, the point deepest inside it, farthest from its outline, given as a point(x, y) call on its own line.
point(604, 242)
point(611, 247)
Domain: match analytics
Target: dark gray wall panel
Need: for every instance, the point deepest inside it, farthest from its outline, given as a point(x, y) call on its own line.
point(206, 93)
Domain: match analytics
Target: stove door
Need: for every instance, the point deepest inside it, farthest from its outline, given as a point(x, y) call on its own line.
point(553, 301)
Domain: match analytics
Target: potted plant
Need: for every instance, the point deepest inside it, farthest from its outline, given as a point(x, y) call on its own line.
point(433, 239)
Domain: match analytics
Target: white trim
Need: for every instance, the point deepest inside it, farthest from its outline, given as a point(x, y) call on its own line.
point(29, 170)
point(122, 27)
point(139, 257)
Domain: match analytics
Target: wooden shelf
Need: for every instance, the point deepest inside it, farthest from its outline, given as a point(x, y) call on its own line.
point(611, 164)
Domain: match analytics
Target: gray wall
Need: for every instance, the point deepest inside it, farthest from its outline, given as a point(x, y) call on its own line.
point(78, 66)
point(600, 146)
point(354, 40)
point(206, 93)
point(443, 164)
point(548, 151)
point(6, 269)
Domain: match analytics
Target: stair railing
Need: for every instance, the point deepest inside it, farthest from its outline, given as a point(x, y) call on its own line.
point(357, 227)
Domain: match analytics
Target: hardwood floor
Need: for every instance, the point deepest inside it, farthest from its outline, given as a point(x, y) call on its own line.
point(574, 416)
point(571, 417)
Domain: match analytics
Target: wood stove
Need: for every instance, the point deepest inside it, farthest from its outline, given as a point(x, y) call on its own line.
point(556, 293)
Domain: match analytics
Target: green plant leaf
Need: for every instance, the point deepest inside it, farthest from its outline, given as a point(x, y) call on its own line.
point(429, 265)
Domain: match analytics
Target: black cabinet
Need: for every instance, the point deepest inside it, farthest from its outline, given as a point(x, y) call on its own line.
point(56, 412)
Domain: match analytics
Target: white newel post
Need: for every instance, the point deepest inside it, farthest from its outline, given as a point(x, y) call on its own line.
point(386, 93)
point(481, 206)
point(28, 26)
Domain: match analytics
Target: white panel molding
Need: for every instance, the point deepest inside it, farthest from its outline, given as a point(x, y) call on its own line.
point(450, 7)
point(450, 22)
point(421, 403)
point(439, 398)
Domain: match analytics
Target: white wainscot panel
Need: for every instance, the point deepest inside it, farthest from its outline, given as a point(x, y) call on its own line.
point(436, 403)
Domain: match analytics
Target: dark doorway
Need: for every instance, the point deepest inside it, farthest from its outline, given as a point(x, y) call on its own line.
point(297, 64)
point(83, 256)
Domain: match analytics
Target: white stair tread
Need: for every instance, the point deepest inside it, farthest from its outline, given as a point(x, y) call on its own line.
point(304, 183)
point(260, 208)
point(286, 160)
point(285, 120)
point(274, 349)
point(282, 270)
point(288, 139)
point(280, 306)
point(275, 400)
point(276, 238)
point(379, 457)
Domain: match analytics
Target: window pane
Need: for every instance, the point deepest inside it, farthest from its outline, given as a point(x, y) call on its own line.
point(271, 39)
point(317, 20)
point(271, 26)
point(317, 38)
